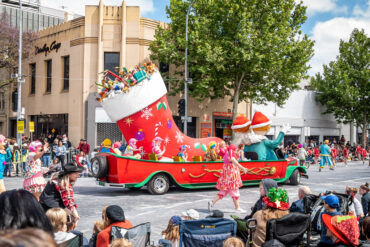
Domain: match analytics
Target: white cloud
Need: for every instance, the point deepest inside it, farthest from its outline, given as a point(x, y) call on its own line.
point(78, 6)
point(323, 6)
point(327, 36)
point(358, 11)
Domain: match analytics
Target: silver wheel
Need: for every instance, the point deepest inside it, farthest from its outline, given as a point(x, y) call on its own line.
point(159, 184)
point(95, 166)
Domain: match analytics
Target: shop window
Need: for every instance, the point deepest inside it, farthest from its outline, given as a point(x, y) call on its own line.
point(14, 101)
point(48, 76)
point(111, 62)
point(66, 73)
point(33, 78)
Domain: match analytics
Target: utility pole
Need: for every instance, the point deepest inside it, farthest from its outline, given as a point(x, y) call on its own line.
point(186, 70)
point(19, 76)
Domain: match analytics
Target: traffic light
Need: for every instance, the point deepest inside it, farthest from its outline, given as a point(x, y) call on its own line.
point(181, 105)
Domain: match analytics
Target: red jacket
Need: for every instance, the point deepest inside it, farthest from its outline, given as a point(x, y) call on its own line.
point(84, 148)
point(104, 236)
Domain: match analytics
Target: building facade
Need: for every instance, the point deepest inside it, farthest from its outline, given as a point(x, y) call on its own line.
point(35, 17)
point(60, 91)
point(305, 115)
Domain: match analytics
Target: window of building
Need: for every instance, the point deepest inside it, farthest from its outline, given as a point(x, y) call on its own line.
point(111, 61)
point(2, 101)
point(33, 78)
point(66, 73)
point(48, 76)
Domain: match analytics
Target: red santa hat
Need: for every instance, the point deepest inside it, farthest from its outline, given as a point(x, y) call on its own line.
point(259, 120)
point(240, 122)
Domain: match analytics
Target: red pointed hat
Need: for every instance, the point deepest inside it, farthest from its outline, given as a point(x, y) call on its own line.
point(240, 122)
point(259, 120)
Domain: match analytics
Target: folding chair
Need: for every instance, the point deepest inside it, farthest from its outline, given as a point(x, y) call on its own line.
point(206, 232)
point(139, 235)
point(289, 229)
point(73, 242)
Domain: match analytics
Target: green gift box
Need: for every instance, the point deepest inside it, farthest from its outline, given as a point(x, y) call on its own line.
point(140, 76)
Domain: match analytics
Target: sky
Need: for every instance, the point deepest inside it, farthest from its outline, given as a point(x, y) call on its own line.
point(328, 21)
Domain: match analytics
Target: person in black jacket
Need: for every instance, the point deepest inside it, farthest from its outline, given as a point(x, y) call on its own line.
point(365, 199)
point(265, 185)
point(58, 192)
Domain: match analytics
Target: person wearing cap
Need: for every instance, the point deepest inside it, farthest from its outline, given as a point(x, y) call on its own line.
point(341, 230)
point(325, 156)
point(331, 204)
point(277, 206)
point(34, 180)
point(190, 214)
point(58, 192)
point(113, 216)
point(265, 148)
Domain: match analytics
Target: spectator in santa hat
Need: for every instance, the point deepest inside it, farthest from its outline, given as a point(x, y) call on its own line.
point(265, 148)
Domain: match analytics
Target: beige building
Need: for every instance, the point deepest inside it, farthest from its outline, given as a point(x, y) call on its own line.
point(59, 94)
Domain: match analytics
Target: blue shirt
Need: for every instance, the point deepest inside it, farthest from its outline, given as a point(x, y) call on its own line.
point(325, 150)
point(297, 206)
point(2, 166)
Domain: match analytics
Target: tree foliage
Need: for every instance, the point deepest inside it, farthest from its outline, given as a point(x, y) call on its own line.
point(344, 85)
point(240, 48)
point(9, 38)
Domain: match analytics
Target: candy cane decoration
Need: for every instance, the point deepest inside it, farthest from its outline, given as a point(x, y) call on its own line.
point(157, 125)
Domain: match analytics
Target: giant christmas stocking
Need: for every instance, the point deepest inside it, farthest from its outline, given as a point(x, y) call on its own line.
point(143, 113)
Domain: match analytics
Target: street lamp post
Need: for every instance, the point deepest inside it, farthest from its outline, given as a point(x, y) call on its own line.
point(19, 76)
point(186, 70)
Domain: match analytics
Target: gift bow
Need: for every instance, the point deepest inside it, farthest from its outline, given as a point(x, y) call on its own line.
point(277, 195)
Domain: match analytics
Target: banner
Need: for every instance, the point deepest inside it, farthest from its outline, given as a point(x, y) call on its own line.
point(32, 126)
point(20, 127)
point(205, 130)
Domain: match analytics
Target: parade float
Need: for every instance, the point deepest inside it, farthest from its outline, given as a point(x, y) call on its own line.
point(159, 155)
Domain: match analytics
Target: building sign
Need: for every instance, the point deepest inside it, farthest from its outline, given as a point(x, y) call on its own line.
point(32, 126)
point(227, 133)
point(205, 130)
point(20, 127)
point(47, 49)
point(226, 114)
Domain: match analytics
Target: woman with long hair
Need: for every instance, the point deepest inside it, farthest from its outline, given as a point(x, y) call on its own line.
point(58, 192)
point(20, 209)
point(172, 232)
point(354, 205)
point(229, 181)
point(34, 180)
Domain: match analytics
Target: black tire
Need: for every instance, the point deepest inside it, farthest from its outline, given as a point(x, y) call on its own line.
point(158, 184)
point(99, 167)
point(295, 178)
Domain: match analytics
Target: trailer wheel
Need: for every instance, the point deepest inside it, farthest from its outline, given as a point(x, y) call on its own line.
point(295, 178)
point(99, 166)
point(158, 184)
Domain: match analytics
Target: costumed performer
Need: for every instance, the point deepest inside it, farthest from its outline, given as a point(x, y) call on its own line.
point(156, 147)
point(106, 146)
point(211, 154)
point(182, 154)
point(34, 180)
point(229, 181)
point(116, 147)
point(222, 149)
point(2, 167)
point(131, 148)
point(265, 148)
point(325, 156)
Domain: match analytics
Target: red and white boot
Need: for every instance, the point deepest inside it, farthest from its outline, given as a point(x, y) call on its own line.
point(143, 113)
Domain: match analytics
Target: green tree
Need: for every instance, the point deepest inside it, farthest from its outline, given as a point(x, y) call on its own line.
point(344, 85)
point(239, 48)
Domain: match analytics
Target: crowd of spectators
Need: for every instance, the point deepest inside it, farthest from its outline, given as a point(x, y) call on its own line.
point(341, 151)
point(52, 220)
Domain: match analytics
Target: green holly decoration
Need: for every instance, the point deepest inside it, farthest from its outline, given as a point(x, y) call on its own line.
point(277, 195)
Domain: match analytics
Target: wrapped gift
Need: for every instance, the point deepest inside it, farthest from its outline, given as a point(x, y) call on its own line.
point(140, 76)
